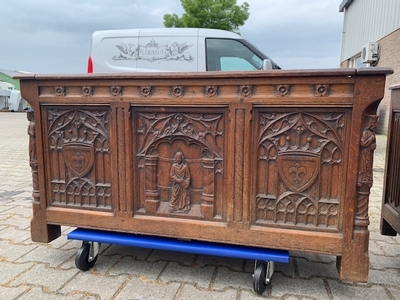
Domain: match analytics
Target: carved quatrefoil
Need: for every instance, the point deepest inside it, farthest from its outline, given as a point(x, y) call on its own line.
point(116, 90)
point(59, 90)
point(177, 91)
point(321, 90)
point(87, 91)
point(145, 91)
point(246, 90)
point(211, 90)
point(283, 89)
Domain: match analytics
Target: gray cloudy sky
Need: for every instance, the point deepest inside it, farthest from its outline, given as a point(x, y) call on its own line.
point(50, 36)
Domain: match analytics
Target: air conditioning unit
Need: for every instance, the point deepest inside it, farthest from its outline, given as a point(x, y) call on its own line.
point(370, 52)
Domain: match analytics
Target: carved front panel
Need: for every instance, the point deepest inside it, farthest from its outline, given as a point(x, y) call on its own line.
point(300, 168)
point(179, 156)
point(79, 157)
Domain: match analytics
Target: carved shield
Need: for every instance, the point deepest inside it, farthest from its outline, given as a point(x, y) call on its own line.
point(298, 172)
point(79, 158)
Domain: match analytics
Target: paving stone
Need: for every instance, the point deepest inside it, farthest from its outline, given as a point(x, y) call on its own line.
point(102, 286)
point(11, 270)
point(139, 289)
point(388, 248)
point(387, 277)
point(286, 286)
point(308, 269)
point(15, 235)
point(383, 262)
point(342, 291)
point(394, 292)
point(189, 292)
point(10, 252)
point(175, 272)
point(45, 254)
point(227, 278)
point(37, 293)
point(49, 278)
point(143, 269)
point(11, 293)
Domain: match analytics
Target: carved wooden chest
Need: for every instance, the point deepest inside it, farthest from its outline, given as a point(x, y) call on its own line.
point(275, 159)
point(390, 217)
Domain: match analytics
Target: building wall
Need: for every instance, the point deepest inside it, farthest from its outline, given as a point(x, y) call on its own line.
point(6, 78)
point(390, 57)
point(367, 21)
point(373, 21)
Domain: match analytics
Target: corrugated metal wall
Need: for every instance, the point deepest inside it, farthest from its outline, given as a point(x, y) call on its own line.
point(368, 21)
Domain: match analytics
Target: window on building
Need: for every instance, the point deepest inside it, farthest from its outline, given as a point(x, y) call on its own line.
point(355, 62)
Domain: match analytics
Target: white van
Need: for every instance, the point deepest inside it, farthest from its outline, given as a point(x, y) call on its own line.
point(173, 49)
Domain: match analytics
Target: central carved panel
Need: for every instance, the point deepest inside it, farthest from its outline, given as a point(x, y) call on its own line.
point(300, 160)
point(180, 162)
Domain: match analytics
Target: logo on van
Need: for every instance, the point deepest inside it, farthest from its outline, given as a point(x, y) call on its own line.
point(154, 52)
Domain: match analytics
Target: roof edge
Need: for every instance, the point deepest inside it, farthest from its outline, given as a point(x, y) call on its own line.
point(344, 4)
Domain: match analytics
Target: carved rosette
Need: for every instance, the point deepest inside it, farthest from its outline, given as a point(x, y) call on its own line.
point(177, 91)
point(145, 91)
point(365, 171)
point(87, 91)
point(211, 90)
point(59, 91)
point(246, 90)
point(283, 89)
point(321, 90)
point(116, 90)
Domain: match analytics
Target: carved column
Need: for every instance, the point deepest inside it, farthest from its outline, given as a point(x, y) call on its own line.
point(207, 205)
point(152, 194)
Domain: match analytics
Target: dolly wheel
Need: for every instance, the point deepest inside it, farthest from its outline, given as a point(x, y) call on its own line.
point(82, 259)
point(259, 278)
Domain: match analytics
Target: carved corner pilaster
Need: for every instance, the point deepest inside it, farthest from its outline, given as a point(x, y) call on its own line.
point(365, 171)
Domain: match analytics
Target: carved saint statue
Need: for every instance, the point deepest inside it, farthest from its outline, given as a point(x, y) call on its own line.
point(32, 139)
point(180, 176)
point(368, 145)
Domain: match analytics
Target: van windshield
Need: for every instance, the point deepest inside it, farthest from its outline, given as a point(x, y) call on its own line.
point(230, 55)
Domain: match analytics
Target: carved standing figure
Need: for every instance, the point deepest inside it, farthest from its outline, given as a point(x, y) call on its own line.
point(368, 146)
point(32, 139)
point(180, 176)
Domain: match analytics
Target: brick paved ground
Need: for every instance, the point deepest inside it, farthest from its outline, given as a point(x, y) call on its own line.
point(46, 271)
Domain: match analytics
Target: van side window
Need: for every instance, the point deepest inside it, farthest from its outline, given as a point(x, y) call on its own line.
point(230, 55)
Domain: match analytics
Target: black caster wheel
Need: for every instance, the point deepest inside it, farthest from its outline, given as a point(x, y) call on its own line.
point(259, 278)
point(83, 261)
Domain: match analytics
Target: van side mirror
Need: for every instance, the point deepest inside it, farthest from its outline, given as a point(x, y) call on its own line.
point(267, 64)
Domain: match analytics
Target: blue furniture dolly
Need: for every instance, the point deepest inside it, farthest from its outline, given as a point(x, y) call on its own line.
point(264, 258)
